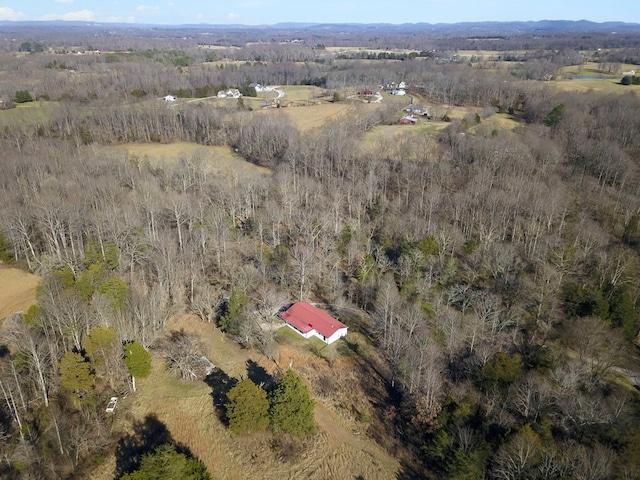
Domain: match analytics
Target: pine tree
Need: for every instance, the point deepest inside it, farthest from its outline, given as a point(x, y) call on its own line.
point(166, 463)
point(248, 408)
point(291, 406)
point(75, 374)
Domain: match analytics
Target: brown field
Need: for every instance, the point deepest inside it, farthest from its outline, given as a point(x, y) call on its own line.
point(597, 85)
point(339, 449)
point(17, 290)
point(314, 116)
point(219, 160)
point(302, 94)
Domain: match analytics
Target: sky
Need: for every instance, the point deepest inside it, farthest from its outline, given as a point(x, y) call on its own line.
point(267, 12)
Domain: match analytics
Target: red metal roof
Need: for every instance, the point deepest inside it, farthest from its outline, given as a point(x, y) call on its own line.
point(305, 317)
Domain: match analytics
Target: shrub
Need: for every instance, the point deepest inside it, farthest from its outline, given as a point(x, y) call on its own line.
point(23, 96)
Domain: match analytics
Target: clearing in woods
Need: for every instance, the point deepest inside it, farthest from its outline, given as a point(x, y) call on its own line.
point(17, 290)
point(314, 116)
point(218, 160)
point(340, 448)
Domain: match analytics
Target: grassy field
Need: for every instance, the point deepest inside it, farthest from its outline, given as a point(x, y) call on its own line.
point(303, 95)
point(17, 290)
point(340, 448)
point(219, 160)
point(314, 116)
point(27, 113)
point(596, 85)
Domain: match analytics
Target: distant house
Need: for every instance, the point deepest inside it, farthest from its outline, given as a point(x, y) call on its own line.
point(418, 110)
point(309, 321)
point(230, 93)
point(258, 87)
point(169, 98)
point(408, 120)
point(630, 72)
point(366, 92)
point(398, 91)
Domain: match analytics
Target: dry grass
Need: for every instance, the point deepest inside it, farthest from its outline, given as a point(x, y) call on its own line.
point(308, 118)
point(302, 94)
point(605, 85)
point(219, 160)
point(187, 409)
point(17, 290)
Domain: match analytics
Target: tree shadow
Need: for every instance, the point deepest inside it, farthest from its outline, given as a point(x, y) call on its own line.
point(220, 384)
point(148, 434)
point(258, 375)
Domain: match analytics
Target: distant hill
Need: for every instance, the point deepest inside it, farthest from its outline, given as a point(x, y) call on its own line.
point(542, 26)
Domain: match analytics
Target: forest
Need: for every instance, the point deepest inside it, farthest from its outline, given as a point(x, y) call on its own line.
point(486, 259)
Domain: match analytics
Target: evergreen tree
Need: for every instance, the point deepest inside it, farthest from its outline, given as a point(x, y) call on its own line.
point(23, 96)
point(99, 341)
point(291, 406)
point(166, 463)
point(234, 314)
point(75, 374)
point(248, 408)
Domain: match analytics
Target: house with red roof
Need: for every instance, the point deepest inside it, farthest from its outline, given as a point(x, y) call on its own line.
point(309, 321)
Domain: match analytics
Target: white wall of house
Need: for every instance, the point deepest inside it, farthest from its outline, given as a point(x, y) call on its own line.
point(338, 334)
point(341, 332)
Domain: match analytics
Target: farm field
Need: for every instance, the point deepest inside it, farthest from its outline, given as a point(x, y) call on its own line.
point(17, 290)
point(314, 116)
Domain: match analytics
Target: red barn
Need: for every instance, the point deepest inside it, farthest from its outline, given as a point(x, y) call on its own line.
point(308, 320)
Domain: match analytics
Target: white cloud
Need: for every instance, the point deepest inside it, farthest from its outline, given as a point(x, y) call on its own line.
point(64, 1)
point(232, 16)
point(80, 15)
point(170, 4)
point(7, 13)
point(147, 8)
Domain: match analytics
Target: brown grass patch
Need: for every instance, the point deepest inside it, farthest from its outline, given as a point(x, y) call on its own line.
point(219, 160)
point(314, 116)
point(17, 290)
point(605, 85)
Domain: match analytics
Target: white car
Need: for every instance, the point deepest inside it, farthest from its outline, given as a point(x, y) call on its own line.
point(111, 406)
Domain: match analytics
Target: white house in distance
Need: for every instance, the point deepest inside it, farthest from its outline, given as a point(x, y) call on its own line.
point(169, 98)
point(308, 321)
point(230, 93)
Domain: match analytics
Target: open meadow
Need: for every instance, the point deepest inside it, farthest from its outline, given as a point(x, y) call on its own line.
point(17, 290)
point(217, 160)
